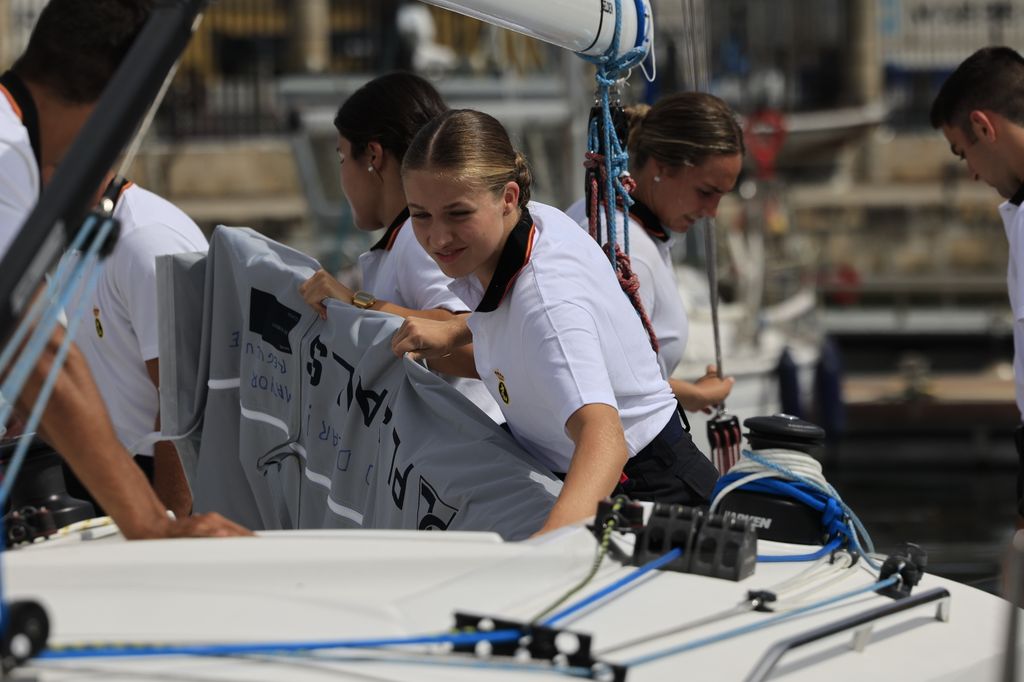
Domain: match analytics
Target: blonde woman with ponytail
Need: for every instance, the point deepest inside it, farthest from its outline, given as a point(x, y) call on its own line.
point(685, 153)
point(554, 340)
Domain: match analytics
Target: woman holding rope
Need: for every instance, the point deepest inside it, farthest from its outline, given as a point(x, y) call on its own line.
point(554, 340)
point(685, 153)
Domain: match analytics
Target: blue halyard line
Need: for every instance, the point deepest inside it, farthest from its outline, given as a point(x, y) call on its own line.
point(616, 159)
point(453, 662)
point(15, 341)
point(19, 373)
point(135, 651)
point(614, 587)
point(813, 556)
point(760, 625)
point(37, 345)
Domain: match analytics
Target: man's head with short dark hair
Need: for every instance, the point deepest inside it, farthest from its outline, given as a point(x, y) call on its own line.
point(77, 45)
point(980, 111)
point(991, 79)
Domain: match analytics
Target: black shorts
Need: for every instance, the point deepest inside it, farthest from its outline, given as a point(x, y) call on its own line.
point(670, 469)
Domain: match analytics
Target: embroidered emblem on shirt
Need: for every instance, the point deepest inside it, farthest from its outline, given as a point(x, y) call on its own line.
point(99, 327)
point(502, 390)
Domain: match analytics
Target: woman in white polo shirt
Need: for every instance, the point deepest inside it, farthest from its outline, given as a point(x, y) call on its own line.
point(554, 339)
point(685, 152)
point(375, 126)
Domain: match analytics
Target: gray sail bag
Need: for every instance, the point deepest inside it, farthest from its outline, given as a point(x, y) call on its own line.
point(284, 420)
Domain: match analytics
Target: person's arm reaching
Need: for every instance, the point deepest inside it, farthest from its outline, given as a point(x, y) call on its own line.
point(76, 424)
point(445, 344)
point(457, 362)
point(597, 461)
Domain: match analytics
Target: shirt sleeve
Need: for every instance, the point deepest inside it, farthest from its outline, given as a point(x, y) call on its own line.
point(19, 189)
point(420, 281)
point(569, 365)
point(135, 280)
point(1016, 239)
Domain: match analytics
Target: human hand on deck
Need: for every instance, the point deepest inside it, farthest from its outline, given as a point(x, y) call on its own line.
point(211, 525)
point(320, 286)
point(425, 339)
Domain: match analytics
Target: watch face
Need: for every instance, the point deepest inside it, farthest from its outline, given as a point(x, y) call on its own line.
point(362, 299)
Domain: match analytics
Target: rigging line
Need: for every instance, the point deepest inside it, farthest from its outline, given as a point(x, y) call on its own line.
point(447, 659)
point(147, 121)
point(87, 265)
point(129, 650)
point(19, 375)
point(37, 309)
point(821, 568)
point(826, 489)
point(832, 546)
point(615, 586)
point(602, 552)
point(760, 625)
point(745, 606)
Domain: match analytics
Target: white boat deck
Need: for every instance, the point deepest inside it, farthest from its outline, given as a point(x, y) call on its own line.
point(321, 585)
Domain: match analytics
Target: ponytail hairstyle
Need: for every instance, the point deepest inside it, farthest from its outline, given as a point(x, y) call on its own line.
point(388, 110)
point(472, 147)
point(683, 129)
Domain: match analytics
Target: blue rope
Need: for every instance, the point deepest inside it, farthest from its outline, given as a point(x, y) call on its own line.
point(811, 556)
point(610, 69)
point(614, 587)
point(838, 519)
point(454, 662)
point(49, 307)
point(759, 625)
point(37, 344)
point(133, 651)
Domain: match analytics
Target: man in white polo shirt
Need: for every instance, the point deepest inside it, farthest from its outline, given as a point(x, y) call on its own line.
point(45, 99)
point(980, 110)
point(119, 340)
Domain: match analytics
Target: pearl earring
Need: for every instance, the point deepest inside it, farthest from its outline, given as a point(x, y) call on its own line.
point(657, 178)
point(370, 168)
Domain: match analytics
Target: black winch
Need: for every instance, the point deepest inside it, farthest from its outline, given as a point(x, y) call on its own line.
point(774, 517)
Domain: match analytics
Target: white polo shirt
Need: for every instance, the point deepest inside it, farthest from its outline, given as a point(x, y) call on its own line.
point(554, 332)
point(19, 158)
point(1012, 214)
point(650, 254)
point(396, 269)
point(119, 333)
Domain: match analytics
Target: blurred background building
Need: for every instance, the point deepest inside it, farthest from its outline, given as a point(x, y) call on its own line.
point(862, 202)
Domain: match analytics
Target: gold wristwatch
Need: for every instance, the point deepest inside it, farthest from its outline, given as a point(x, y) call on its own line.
point(363, 299)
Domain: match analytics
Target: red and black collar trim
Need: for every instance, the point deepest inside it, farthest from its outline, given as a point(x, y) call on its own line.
point(1018, 198)
point(514, 257)
point(388, 240)
point(12, 87)
point(645, 216)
